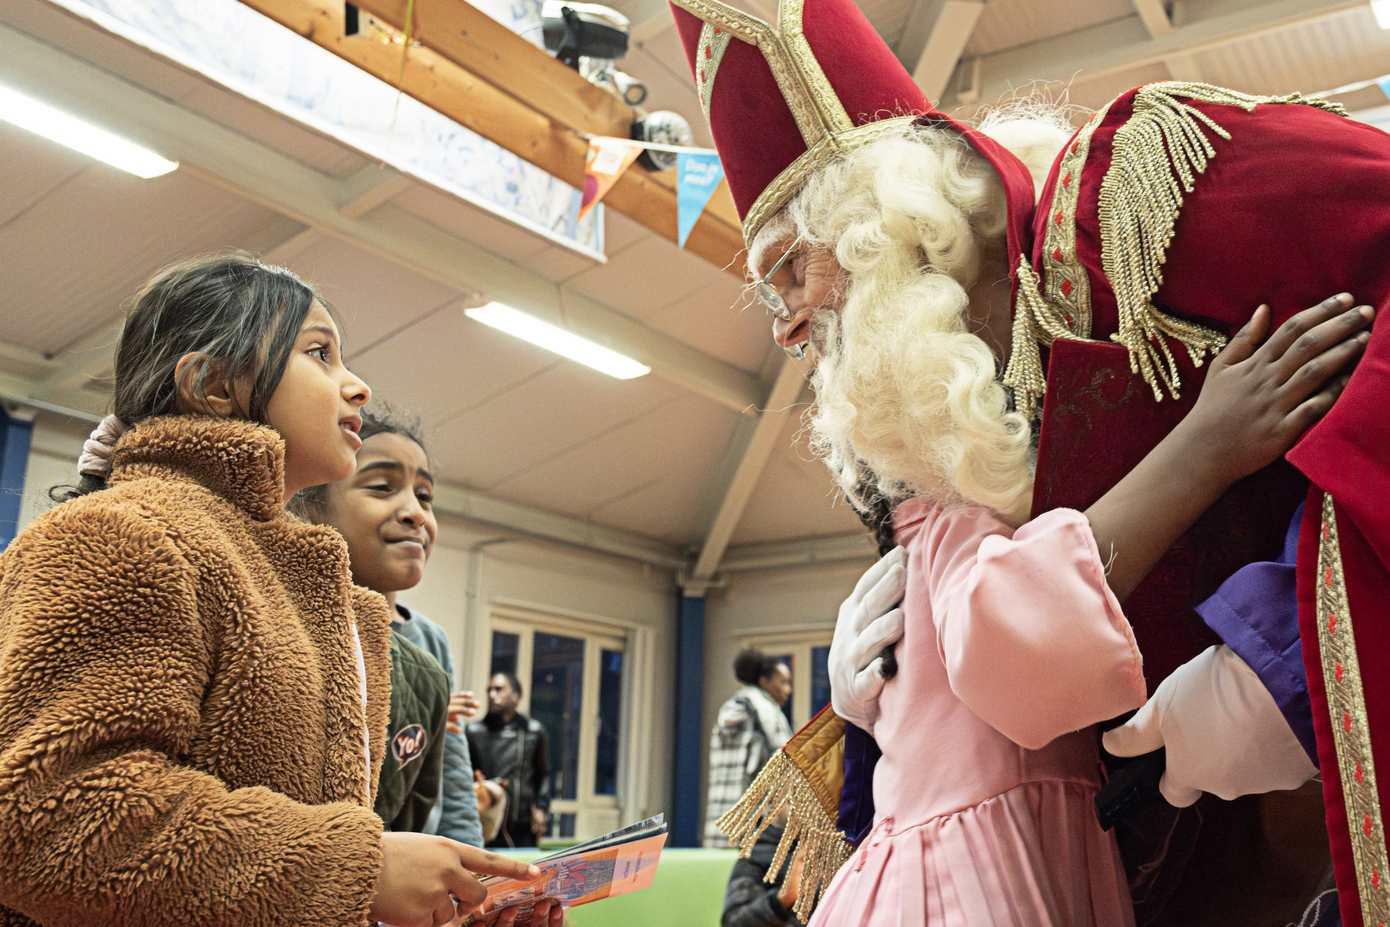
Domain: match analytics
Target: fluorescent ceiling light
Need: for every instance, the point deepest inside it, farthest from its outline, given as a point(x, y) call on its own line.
point(558, 340)
point(1381, 9)
point(81, 136)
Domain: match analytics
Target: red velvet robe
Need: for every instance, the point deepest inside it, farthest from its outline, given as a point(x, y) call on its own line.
point(1293, 207)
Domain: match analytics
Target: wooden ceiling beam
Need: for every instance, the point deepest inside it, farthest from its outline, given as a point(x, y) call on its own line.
point(466, 36)
point(934, 40)
point(497, 84)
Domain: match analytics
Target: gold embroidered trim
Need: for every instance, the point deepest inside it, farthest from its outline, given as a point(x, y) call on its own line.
point(783, 788)
point(1158, 154)
point(785, 71)
point(819, 91)
point(1066, 283)
point(714, 41)
point(1346, 701)
point(744, 26)
point(786, 185)
point(1036, 322)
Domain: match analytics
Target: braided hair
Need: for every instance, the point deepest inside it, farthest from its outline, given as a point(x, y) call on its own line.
point(878, 518)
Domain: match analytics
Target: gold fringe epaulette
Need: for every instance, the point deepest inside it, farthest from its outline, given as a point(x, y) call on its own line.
point(801, 783)
point(1157, 155)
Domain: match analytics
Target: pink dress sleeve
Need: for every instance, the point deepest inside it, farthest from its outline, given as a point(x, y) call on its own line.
point(1033, 640)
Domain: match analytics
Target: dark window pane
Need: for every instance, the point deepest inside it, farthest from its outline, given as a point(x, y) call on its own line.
point(820, 678)
point(791, 699)
point(557, 691)
point(504, 650)
point(610, 713)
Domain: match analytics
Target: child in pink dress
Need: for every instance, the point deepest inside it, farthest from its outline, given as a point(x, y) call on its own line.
point(986, 787)
point(1014, 647)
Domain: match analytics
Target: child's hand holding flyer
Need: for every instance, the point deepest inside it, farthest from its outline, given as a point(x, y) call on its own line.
point(605, 867)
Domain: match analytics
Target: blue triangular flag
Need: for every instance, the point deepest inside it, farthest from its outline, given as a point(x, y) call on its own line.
point(697, 177)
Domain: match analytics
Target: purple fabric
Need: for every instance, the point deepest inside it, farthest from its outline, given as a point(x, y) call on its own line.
point(1256, 613)
point(857, 793)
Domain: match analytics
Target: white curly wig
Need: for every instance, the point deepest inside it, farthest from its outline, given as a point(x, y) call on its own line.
point(905, 392)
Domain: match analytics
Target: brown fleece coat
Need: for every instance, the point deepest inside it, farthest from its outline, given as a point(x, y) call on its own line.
point(181, 729)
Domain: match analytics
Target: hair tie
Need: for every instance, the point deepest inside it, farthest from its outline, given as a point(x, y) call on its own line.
point(95, 459)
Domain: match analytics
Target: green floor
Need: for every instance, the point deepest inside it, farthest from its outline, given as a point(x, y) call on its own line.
point(688, 892)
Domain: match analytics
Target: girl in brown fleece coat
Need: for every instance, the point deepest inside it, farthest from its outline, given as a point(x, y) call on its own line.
point(193, 695)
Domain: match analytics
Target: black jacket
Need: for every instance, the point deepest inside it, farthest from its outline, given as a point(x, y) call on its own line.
point(514, 751)
point(748, 900)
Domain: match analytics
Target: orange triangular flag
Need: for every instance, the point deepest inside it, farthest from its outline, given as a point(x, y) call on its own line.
point(605, 163)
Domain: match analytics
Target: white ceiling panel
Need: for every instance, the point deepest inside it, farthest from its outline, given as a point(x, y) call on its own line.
point(668, 510)
point(472, 223)
point(721, 321)
point(446, 363)
point(647, 277)
point(620, 232)
point(682, 441)
point(796, 498)
point(1010, 23)
point(561, 408)
point(34, 167)
point(123, 229)
point(559, 264)
point(375, 298)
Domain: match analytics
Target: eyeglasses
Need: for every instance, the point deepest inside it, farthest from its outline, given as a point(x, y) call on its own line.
point(771, 299)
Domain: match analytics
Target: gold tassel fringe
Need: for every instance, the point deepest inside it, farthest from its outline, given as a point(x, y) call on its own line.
point(781, 788)
point(1036, 322)
point(1158, 154)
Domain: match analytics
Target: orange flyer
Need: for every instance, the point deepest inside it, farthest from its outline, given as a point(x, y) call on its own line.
point(580, 876)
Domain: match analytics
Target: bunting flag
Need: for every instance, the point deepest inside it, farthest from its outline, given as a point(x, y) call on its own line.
point(608, 158)
point(698, 175)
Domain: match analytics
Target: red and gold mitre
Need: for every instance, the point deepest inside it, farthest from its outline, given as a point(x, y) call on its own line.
point(783, 101)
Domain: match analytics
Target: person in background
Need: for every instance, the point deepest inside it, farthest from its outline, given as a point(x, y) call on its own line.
point(510, 749)
point(751, 901)
point(385, 512)
point(749, 729)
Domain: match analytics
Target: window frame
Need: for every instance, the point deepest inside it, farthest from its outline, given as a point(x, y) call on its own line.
point(594, 814)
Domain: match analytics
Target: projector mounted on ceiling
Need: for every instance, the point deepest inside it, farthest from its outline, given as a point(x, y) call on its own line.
point(590, 38)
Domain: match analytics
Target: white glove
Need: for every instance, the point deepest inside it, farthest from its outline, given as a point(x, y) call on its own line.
point(1222, 731)
point(869, 621)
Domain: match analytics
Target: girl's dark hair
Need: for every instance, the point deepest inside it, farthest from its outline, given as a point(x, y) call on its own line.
point(751, 666)
point(382, 418)
point(378, 418)
point(240, 315)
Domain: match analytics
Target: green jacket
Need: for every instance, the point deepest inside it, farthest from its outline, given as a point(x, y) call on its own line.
point(413, 767)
